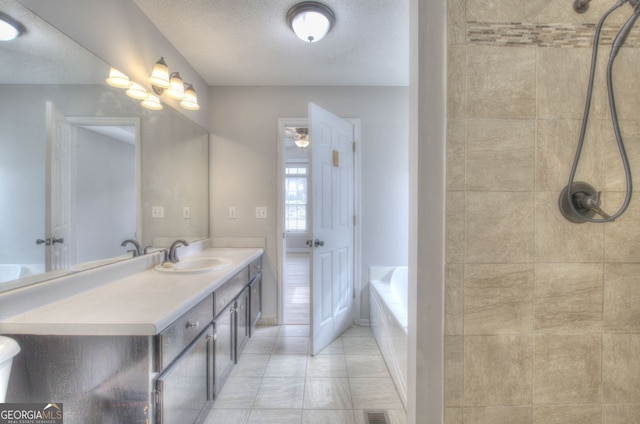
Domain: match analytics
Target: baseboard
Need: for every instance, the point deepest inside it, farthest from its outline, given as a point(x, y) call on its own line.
point(363, 322)
point(268, 320)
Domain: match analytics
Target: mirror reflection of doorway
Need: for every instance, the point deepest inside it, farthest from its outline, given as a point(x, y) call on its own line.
point(297, 260)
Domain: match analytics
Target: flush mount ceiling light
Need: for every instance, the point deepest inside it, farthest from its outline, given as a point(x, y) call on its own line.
point(10, 29)
point(310, 20)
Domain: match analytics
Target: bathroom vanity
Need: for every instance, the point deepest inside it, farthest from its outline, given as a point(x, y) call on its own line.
point(152, 347)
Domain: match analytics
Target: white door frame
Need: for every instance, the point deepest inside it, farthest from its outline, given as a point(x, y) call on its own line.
point(281, 163)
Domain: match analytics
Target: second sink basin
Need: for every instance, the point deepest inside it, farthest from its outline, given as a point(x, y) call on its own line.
point(195, 265)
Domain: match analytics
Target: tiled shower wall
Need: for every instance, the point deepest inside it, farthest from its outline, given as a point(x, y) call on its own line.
point(542, 316)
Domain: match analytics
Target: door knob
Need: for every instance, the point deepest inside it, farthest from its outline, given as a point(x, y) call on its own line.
point(57, 240)
point(309, 243)
point(46, 242)
point(317, 242)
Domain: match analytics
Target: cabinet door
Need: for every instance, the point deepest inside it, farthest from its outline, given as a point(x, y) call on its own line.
point(223, 357)
point(183, 388)
point(242, 320)
point(255, 303)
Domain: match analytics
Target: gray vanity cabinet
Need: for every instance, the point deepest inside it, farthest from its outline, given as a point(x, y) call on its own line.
point(255, 302)
point(242, 322)
point(223, 352)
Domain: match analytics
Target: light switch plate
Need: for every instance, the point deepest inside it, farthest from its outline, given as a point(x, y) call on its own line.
point(233, 213)
point(186, 212)
point(261, 212)
point(157, 212)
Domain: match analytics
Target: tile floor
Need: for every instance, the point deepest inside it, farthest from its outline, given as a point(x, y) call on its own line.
point(276, 381)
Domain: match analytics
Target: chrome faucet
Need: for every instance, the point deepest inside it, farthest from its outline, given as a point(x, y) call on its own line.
point(172, 255)
point(138, 249)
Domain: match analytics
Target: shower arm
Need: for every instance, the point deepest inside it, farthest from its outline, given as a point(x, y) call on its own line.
point(582, 6)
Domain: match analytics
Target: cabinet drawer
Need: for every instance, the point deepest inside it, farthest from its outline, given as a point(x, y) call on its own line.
point(229, 290)
point(183, 331)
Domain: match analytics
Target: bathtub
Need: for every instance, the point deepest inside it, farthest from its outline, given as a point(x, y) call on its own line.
point(388, 296)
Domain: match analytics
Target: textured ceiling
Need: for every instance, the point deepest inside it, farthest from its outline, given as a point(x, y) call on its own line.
point(248, 42)
point(43, 55)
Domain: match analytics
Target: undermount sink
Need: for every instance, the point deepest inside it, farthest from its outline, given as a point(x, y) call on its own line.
point(195, 265)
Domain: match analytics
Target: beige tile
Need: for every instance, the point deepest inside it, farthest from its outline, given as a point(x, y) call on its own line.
point(360, 346)
point(454, 299)
point(275, 416)
point(499, 227)
point(503, 82)
point(260, 345)
point(557, 11)
point(621, 368)
point(558, 240)
point(568, 298)
point(286, 366)
point(455, 154)
point(504, 10)
point(622, 298)
point(238, 416)
point(453, 416)
point(500, 155)
point(327, 417)
point(567, 369)
point(562, 84)
point(556, 144)
point(456, 81)
point(280, 393)
point(335, 348)
point(453, 371)
point(627, 88)
point(456, 22)
point(327, 393)
point(291, 345)
point(621, 414)
point(251, 365)
point(294, 331)
point(498, 370)
point(498, 415)
point(498, 299)
point(327, 366)
point(366, 366)
point(454, 230)
point(238, 393)
point(358, 331)
point(567, 414)
point(615, 179)
point(374, 393)
point(622, 237)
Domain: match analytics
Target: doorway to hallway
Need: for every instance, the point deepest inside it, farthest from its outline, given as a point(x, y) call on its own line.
point(296, 288)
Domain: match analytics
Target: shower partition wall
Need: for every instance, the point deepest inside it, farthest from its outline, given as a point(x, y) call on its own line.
point(542, 316)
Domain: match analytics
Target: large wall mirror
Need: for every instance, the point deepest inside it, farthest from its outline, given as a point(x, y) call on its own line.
point(82, 164)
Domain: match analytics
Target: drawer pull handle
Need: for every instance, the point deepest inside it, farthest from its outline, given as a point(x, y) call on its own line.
point(192, 324)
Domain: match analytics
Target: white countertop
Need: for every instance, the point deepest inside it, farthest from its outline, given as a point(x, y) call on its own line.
point(143, 303)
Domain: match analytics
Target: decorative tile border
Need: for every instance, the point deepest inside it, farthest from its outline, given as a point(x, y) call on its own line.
point(517, 34)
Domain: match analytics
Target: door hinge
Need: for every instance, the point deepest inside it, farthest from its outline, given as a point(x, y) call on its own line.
point(353, 144)
point(354, 292)
point(354, 220)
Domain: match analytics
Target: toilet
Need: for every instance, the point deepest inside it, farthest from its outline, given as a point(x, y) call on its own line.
point(8, 349)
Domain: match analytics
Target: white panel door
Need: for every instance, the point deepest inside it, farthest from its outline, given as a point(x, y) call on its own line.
point(332, 206)
point(59, 160)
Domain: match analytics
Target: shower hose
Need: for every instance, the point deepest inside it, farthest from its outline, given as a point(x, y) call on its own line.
point(617, 43)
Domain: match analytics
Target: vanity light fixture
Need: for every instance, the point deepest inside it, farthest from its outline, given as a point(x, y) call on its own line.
point(152, 102)
point(176, 90)
point(160, 76)
point(136, 91)
point(190, 101)
point(10, 29)
point(118, 79)
point(311, 20)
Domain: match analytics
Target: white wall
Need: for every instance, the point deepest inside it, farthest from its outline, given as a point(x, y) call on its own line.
point(244, 140)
